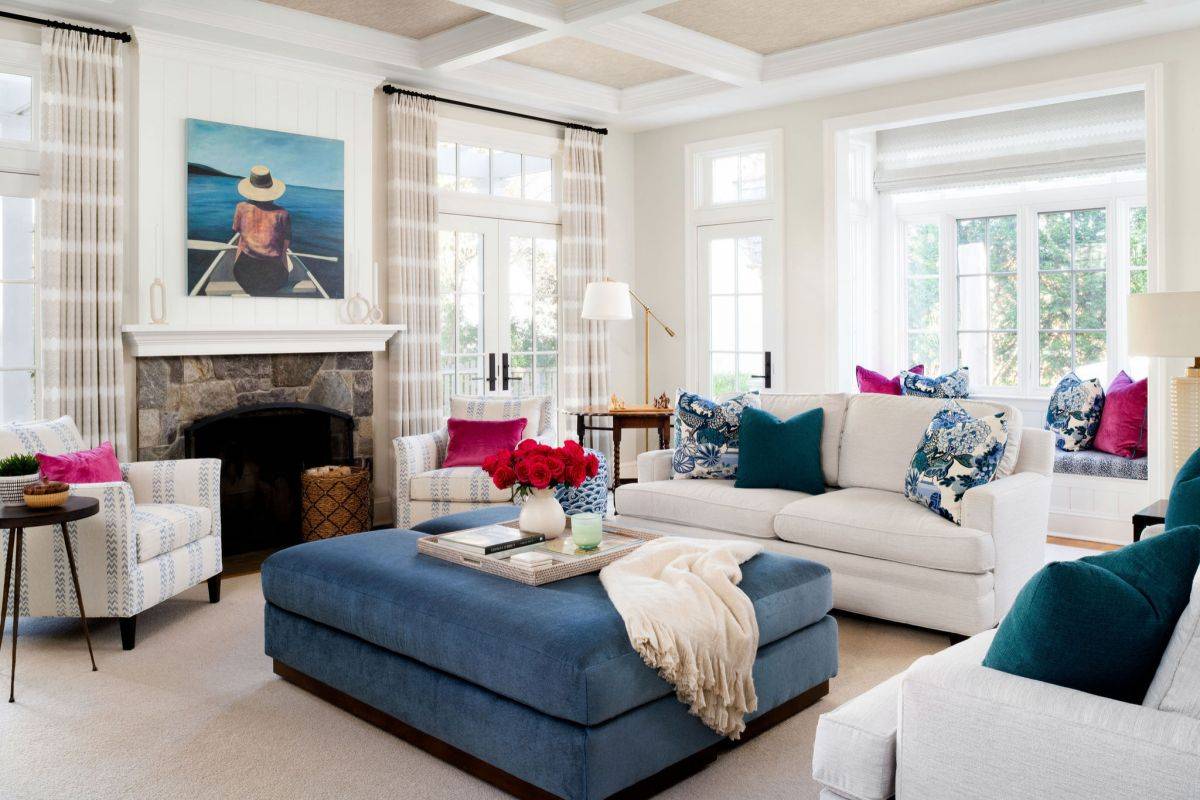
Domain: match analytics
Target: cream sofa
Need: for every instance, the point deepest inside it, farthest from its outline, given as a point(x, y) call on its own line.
point(951, 729)
point(891, 558)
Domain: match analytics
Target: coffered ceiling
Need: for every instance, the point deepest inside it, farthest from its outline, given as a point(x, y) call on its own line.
point(644, 63)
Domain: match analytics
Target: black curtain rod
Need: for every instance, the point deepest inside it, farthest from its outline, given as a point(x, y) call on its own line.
point(120, 36)
point(389, 89)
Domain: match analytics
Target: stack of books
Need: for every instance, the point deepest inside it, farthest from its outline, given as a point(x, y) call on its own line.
point(491, 539)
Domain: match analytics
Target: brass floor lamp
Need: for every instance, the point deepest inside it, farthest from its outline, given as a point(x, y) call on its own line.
point(610, 300)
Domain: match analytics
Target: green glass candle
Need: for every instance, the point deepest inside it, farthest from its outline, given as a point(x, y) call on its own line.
point(587, 530)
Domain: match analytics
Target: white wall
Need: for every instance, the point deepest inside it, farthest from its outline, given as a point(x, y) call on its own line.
point(809, 324)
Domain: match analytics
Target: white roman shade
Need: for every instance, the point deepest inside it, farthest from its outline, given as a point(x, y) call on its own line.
point(1078, 137)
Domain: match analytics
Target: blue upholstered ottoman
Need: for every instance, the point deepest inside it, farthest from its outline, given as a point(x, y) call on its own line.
point(535, 689)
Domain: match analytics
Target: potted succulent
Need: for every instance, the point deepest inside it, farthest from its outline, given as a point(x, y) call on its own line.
point(533, 471)
point(16, 472)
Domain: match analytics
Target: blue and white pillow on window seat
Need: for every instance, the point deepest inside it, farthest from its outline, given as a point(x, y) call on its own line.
point(952, 385)
point(1073, 414)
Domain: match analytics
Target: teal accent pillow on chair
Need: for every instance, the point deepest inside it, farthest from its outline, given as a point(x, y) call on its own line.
point(1183, 506)
point(1102, 623)
point(778, 454)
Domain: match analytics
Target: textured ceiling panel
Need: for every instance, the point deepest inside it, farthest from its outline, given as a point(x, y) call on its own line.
point(769, 26)
point(576, 58)
point(413, 18)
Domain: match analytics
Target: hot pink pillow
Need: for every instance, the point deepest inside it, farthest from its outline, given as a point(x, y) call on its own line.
point(473, 440)
point(98, 465)
point(1123, 421)
point(871, 382)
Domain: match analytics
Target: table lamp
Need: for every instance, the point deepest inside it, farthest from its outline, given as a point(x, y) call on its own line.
point(1167, 324)
point(610, 300)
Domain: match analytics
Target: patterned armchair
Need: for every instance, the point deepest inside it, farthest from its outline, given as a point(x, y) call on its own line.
point(425, 489)
point(158, 533)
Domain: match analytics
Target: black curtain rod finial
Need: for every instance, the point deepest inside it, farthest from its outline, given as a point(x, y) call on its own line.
point(390, 89)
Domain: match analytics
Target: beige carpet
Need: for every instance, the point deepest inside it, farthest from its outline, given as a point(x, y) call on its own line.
point(195, 712)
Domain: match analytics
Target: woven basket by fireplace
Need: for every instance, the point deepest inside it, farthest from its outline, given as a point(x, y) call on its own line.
point(334, 501)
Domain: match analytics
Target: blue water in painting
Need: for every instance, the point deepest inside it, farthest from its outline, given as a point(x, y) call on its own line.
point(317, 225)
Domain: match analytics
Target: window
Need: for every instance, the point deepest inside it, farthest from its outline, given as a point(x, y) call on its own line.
point(986, 289)
point(733, 258)
point(16, 107)
point(1020, 287)
point(499, 173)
point(922, 273)
point(738, 178)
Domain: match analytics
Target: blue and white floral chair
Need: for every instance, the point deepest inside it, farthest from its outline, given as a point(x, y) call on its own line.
point(158, 533)
point(424, 489)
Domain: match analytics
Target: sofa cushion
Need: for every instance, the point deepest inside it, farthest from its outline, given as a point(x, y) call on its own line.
point(1176, 685)
point(457, 484)
point(879, 524)
point(713, 504)
point(163, 527)
point(1183, 504)
point(833, 406)
point(1101, 465)
point(881, 432)
point(560, 648)
point(53, 436)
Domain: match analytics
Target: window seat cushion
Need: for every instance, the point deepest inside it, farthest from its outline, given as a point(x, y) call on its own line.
point(1100, 465)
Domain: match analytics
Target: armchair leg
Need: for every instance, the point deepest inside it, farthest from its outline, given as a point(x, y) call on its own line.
point(128, 631)
point(214, 588)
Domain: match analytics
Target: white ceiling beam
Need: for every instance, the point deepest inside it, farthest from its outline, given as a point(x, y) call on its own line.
point(596, 11)
point(679, 47)
point(479, 40)
point(542, 13)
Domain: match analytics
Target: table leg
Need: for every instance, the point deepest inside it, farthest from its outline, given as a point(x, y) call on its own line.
point(62, 526)
point(664, 432)
point(8, 558)
point(16, 614)
point(616, 433)
point(579, 429)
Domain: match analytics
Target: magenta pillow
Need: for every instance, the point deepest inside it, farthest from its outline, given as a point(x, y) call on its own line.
point(1123, 421)
point(473, 440)
point(98, 465)
point(871, 382)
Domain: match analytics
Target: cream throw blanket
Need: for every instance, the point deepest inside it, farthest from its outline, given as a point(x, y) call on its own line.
point(688, 619)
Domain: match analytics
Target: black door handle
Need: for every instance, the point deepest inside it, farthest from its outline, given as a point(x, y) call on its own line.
point(766, 377)
point(491, 377)
point(505, 378)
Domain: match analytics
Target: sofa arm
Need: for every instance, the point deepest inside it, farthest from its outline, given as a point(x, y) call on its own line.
point(106, 550)
point(414, 455)
point(654, 465)
point(1016, 511)
point(191, 481)
point(967, 732)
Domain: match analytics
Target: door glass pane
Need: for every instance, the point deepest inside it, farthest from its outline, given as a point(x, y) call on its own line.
point(520, 323)
point(750, 322)
point(749, 272)
point(16, 238)
point(473, 169)
point(469, 262)
point(723, 367)
point(750, 364)
point(722, 323)
point(506, 174)
point(735, 311)
point(722, 266)
point(16, 396)
point(16, 325)
point(539, 179)
point(16, 103)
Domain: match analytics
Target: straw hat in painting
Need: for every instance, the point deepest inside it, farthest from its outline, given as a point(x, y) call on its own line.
point(260, 185)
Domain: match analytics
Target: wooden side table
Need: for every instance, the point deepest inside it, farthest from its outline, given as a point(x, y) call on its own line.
point(1153, 514)
point(632, 417)
point(16, 519)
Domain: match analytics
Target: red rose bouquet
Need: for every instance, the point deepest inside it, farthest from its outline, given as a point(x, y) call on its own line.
point(539, 466)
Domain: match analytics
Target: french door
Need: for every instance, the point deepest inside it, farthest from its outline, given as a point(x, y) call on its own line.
point(740, 307)
point(499, 307)
point(19, 307)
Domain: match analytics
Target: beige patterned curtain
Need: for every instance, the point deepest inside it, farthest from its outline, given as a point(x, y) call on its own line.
point(81, 232)
point(416, 384)
point(584, 345)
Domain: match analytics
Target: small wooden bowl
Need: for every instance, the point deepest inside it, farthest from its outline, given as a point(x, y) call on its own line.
point(46, 500)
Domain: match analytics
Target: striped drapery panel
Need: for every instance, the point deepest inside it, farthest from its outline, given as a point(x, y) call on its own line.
point(585, 345)
point(416, 382)
point(81, 233)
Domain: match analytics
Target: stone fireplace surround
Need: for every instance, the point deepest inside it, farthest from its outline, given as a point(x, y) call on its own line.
point(174, 391)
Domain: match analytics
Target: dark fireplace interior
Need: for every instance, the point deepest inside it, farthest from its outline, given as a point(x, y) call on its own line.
point(263, 449)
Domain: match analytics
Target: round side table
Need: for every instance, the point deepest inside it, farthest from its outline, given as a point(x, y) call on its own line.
point(16, 519)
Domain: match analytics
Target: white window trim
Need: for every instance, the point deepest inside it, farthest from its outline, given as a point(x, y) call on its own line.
point(699, 213)
point(472, 204)
point(1115, 198)
point(22, 58)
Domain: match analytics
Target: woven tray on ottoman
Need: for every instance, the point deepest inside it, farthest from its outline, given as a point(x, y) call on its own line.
point(334, 501)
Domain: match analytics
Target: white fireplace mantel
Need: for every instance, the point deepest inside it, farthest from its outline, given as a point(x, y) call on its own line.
point(150, 340)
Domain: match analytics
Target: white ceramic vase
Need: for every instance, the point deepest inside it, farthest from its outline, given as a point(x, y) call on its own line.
point(542, 513)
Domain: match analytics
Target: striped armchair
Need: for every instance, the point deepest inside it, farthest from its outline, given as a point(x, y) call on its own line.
point(424, 489)
point(158, 533)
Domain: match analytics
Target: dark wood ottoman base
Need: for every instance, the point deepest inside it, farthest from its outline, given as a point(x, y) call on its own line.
point(527, 791)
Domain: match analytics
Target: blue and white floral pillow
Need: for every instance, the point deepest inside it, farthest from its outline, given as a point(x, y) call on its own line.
point(1073, 415)
point(957, 453)
point(952, 385)
point(706, 435)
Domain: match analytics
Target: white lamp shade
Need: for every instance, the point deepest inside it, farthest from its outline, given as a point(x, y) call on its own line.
point(1164, 324)
point(607, 300)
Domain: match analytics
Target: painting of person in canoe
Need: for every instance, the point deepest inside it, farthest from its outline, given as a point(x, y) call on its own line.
point(265, 213)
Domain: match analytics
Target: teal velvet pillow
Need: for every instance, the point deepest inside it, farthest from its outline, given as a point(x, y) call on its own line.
point(1183, 506)
point(778, 454)
point(1102, 623)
